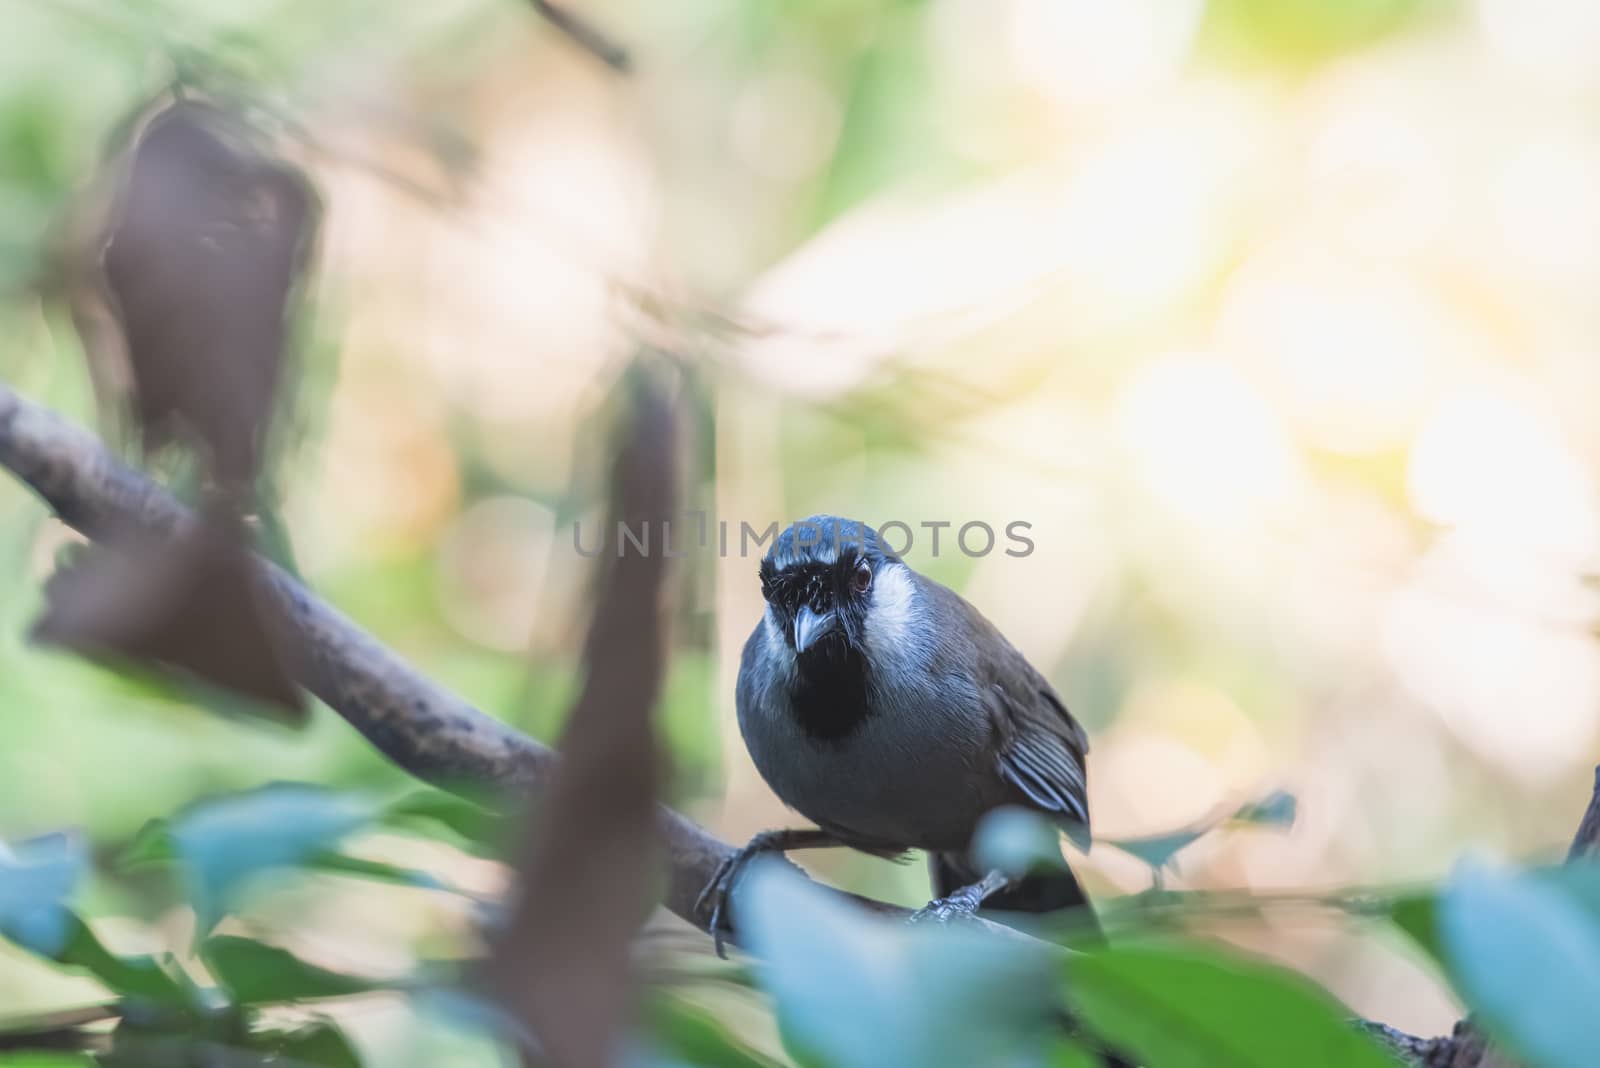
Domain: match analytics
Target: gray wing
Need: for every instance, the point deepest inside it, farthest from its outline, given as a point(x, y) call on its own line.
point(1037, 747)
point(1042, 752)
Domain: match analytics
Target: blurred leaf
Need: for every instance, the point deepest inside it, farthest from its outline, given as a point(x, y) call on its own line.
point(193, 603)
point(1072, 1055)
point(46, 1060)
point(1526, 957)
point(1417, 916)
point(1307, 30)
point(377, 871)
point(223, 843)
point(139, 976)
point(36, 879)
point(1195, 1008)
point(1017, 841)
point(1277, 809)
point(432, 809)
point(686, 1033)
point(589, 866)
point(151, 847)
point(1159, 851)
point(856, 991)
point(255, 973)
point(319, 1043)
point(202, 256)
point(463, 1010)
point(203, 250)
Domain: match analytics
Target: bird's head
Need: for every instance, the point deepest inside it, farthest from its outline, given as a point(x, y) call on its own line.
point(818, 582)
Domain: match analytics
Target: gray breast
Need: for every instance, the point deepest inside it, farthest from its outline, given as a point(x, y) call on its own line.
point(917, 772)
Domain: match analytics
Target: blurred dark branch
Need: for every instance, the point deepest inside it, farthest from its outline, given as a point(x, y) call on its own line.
point(562, 964)
point(1586, 843)
point(432, 734)
point(1467, 1047)
point(57, 1030)
point(585, 35)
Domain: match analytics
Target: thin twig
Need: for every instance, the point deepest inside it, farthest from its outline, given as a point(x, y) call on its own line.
point(586, 36)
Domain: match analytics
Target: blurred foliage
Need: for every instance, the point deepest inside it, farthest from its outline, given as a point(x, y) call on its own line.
point(848, 989)
point(198, 907)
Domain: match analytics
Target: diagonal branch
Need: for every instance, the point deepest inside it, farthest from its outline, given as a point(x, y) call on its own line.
point(427, 731)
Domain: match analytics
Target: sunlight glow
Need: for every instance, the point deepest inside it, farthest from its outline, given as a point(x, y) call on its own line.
point(1204, 443)
point(1489, 460)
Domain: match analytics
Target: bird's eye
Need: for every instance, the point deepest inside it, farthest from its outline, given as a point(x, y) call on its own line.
point(861, 581)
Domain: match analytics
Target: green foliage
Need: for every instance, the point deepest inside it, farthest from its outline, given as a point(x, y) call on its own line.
point(254, 973)
point(35, 882)
point(1525, 953)
point(1192, 1007)
point(850, 990)
point(1017, 841)
point(1306, 30)
point(1417, 916)
point(684, 1033)
point(136, 977)
point(471, 823)
point(223, 844)
point(318, 1043)
point(1161, 851)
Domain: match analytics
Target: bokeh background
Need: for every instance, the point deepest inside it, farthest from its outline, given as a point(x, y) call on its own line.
point(1278, 322)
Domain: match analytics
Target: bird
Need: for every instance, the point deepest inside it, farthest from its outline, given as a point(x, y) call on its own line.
point(888, 711)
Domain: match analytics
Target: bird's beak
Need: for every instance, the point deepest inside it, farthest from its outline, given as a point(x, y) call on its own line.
point(809, 626)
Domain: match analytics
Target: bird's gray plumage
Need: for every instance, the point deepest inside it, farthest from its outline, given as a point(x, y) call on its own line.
point(913, 716)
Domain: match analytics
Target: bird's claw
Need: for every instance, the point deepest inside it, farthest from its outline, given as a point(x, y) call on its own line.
point(963, 904)
point(716, 894)
point(719, 890)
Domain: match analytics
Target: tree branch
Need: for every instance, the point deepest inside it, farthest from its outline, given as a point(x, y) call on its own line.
point(427, 731)
point(430, 733)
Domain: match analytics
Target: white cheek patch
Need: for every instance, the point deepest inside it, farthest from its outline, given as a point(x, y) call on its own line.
point(889, 618)
point(772, 630)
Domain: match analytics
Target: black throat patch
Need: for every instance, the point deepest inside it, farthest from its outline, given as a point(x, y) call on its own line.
point(830, 693)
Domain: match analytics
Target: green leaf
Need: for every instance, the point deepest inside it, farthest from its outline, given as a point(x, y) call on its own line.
point(255, 973)
point(130, 977)
point(35, 881)
point(431, 810)
point(1417, 915)
point(222, 844)
point(687, 1033)
point(1188, 1007)
point(1072, 1055)
point(320, 1043)
point(858, 991)
point(1017, 841)
point(1526, 957)
point(1277, 809)
point(151, 847)
point(377, 871)
point(46, 1060)
point(1159, 850)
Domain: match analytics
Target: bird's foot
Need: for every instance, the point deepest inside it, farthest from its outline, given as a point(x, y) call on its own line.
point(962, 904)
point(719, 890)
